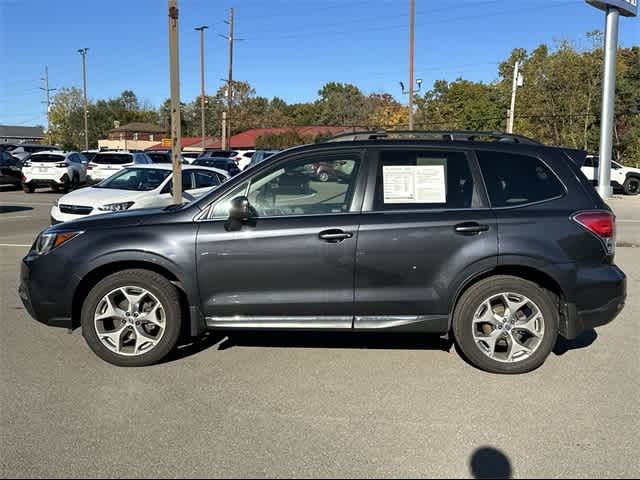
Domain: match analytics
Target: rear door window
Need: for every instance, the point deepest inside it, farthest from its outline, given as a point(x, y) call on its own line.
point(205, 179)
point(514, 180)
point(423, 179)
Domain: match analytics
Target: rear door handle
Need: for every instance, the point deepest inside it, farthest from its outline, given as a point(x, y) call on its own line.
point(470, 228)
point(334, 235)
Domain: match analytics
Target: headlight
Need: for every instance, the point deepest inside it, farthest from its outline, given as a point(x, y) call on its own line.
point(115, 207)
point(55, 203)
point(48, 241)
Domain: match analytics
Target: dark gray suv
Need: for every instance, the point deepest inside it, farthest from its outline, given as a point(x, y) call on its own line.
point(504, 244)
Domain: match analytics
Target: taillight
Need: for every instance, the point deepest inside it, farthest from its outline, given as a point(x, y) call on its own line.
point(91, 166)
point(62, 165)
point(26, 164)
point(602, 224)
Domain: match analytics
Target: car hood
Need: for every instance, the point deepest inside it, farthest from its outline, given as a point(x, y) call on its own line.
point(96, 197)
point(631, 170)
point(127, 218)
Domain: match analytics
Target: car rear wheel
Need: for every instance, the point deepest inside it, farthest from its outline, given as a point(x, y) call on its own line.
point(632, 186)
point(505, 324)
point(323, 176)
point(27, 188)
point(132, 318)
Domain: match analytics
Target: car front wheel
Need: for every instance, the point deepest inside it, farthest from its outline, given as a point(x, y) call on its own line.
point(132, 318)
point(505, 324)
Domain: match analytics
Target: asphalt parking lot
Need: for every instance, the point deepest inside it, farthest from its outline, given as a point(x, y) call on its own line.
point(312, 405)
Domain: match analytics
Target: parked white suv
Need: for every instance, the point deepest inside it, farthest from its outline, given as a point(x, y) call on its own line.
point(625, 178)
point(243, 158)
point(140, 186)
point(105, 164)
point(55, 169)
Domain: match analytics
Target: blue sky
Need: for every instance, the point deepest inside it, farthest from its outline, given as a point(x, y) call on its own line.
point(290, 47)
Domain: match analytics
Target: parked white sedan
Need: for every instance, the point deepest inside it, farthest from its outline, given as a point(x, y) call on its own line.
point(141, 186)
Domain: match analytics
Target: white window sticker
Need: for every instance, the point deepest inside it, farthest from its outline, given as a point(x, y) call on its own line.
point(414, 184)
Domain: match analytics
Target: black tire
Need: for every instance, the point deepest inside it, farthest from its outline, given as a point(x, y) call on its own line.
point(631, 186)
point(28, 188)
point(75, 183)
point(55, 188)
point(157, 285)
point(472, 299)
point(66, 186)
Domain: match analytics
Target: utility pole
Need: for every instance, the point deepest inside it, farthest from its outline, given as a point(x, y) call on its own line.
point(412, 15)
point(174, 67)
point(202, 100)
point(227, 137)
point(47, 100)
point(83, 52)
point(224, 131)
point(517, 82)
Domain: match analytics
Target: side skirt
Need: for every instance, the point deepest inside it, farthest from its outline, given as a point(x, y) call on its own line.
point(397, 323)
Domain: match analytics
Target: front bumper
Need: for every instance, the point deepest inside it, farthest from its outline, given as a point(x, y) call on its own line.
point(45, 295)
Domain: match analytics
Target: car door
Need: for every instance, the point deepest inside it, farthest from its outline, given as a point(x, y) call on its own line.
point(166, 194)
point(426, 228)
point(292, 264)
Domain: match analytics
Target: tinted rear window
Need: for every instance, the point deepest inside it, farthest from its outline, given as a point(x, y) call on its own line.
point(159, 158)
point(112, 159)
point(514, 180)
point(47, 158)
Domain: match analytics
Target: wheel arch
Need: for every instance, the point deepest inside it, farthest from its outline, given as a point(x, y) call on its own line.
point(92, 277)
point(526, 272)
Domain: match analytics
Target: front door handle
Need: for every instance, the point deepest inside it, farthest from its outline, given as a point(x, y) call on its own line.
point(470, 228)
point(334, 235)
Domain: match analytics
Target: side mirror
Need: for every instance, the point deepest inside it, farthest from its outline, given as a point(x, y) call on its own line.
point(241, 209)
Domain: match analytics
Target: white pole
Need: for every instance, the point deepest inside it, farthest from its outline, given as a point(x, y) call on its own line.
point(608, 101)
point(514, 88)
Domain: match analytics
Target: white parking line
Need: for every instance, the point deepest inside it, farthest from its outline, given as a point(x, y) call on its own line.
point(23, 204)
point(15, 216)
point(13, 245)
point(627, 221)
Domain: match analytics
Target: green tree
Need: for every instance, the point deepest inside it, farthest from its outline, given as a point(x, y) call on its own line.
point(342, 104)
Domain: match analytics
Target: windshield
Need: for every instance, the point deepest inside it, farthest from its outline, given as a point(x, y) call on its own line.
point(135, 179)
point(47, 158)
point(112, 159)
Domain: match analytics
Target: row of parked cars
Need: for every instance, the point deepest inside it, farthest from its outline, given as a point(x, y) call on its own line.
point(118, 180)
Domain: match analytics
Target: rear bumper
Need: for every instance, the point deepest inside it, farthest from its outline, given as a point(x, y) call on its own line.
point(602, 296)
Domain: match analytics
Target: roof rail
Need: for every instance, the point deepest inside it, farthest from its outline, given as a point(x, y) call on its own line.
point(434, 135)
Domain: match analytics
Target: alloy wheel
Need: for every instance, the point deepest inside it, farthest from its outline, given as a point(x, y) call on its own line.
point(508, 327)
point(130, 321)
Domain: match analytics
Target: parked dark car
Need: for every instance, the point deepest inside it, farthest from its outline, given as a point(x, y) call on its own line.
point(10, 169)
point(504, 245)
point(222, 163)
point(213, 153)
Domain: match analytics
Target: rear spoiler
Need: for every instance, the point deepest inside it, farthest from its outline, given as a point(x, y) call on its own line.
point(578, 157)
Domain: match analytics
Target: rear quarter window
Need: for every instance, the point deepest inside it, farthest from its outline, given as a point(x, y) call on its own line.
point(514, 180)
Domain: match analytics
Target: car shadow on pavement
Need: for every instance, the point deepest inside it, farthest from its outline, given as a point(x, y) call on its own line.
point(13, 209)
point(488, 462)
point(583, 340)
point(347, 340)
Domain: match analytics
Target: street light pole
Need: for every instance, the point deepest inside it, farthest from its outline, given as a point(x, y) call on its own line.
point(83, 52)
point(202, 99)
point(174, 67)
point(608, 102)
